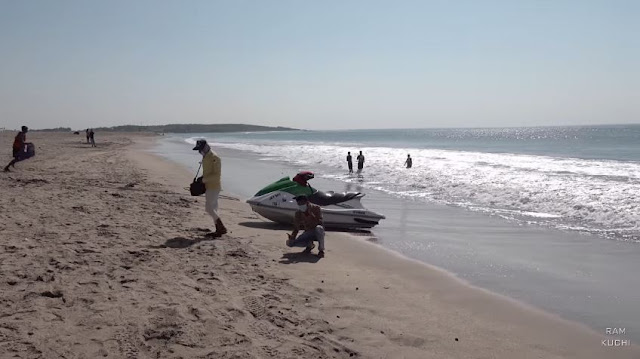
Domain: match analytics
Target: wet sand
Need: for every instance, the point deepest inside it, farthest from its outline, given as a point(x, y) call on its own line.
point(104, 254)
point(579, 277)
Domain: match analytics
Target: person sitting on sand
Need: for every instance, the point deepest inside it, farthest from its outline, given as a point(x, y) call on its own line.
point(211, 171)
point(309, 218)
point(18, 148)
point(409, 161)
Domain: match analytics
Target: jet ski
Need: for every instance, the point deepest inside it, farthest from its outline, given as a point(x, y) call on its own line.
point(339, 210)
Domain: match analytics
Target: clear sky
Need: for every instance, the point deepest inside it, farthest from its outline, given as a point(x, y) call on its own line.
point(319, 64)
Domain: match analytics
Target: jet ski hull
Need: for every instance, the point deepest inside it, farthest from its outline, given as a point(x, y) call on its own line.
point(281, 208)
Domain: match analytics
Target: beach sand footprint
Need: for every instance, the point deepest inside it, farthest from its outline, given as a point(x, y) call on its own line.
point(181, 242)
point(407, 340)
point(255, 305)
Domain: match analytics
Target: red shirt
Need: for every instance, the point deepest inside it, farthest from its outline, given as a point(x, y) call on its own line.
point(18, 142)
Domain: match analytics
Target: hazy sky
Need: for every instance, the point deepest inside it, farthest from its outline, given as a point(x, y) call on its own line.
point(319, 64)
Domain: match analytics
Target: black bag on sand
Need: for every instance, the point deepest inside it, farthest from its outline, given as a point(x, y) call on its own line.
point(27, 152)
point(197, 186)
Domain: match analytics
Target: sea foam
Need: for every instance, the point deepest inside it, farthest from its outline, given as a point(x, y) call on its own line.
point(599, 196)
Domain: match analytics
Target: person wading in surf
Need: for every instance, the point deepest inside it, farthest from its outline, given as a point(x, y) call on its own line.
point(360, 159)
point(409, 161)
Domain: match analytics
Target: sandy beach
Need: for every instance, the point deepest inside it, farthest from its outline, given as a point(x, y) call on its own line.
point(105, 254)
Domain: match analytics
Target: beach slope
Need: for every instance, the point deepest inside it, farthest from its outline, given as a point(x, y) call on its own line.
point(104, 254)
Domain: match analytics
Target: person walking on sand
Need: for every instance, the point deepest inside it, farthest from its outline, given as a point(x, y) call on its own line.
point(87, 131)
point(360, 159)
point(19, 143)
point(91, 138)
point(408, 162)
point(309, 218)
point(349, 162)
point(211, 171)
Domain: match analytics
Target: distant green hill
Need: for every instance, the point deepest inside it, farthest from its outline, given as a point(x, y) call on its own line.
point(192, 128)
point(57, 129)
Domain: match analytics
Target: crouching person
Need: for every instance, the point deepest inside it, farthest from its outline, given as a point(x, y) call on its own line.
point(309, 218)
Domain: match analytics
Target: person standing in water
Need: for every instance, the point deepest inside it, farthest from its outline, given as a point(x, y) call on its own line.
point(19, 143)
point(349, 162)
point(408, 162)
point(360, 159)
point(211, 171)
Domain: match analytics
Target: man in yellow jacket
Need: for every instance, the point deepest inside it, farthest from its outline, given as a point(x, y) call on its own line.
point(211, 171)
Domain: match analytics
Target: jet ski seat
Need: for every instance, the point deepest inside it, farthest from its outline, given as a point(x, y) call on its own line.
point(326, 198)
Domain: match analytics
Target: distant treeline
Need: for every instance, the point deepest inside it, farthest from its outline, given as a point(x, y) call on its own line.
point(57, 129)
point(192, 128)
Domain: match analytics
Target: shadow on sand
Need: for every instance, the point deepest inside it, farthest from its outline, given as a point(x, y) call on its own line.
point(183, 242)
point(266, 225)
point(299, 257)
point(88, 145)
point(279, 227)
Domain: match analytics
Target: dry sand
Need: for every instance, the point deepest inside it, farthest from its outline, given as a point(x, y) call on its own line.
point(103, 254)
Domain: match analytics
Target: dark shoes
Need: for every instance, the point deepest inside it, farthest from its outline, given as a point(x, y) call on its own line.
point(309, 248)
point(220, 229)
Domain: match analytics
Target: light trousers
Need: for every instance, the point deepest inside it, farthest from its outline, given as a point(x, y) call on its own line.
point(211, 203)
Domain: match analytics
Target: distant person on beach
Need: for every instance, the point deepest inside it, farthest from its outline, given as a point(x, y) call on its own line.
point(87, 135)
point(92, 138)
point(309, 218)
point(349, 162)
point(360, 159)
point(211, 171)
point(408, 162)
point(19, 143)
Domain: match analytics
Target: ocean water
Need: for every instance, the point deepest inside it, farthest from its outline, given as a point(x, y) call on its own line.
point(583, 179)
point(523, 250)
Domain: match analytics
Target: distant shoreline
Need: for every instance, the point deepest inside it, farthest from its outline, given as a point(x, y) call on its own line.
point(175, 128)
point(213, 128)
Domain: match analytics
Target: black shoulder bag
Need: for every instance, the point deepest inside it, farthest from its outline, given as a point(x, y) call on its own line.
point(197, 186)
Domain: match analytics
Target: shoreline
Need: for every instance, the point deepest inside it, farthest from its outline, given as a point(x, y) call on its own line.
point(481, 298)
point(105, 256)
point(541, 267)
